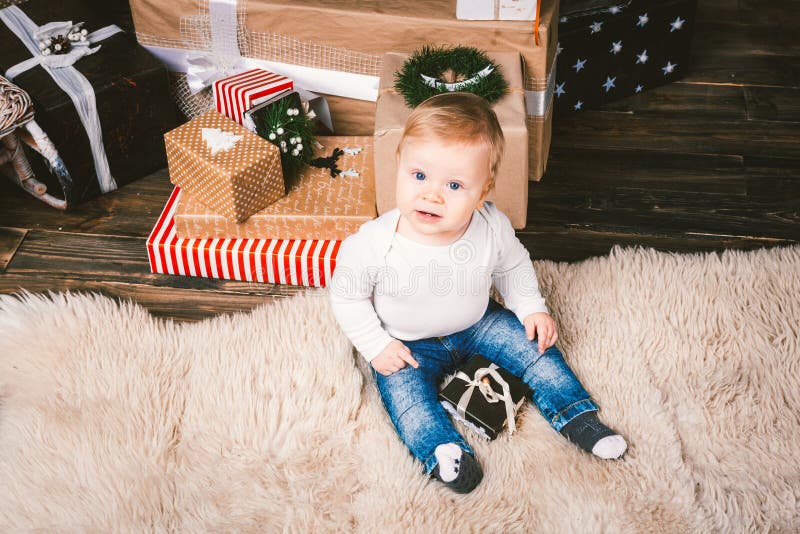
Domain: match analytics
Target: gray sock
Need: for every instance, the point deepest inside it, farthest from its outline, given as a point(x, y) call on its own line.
point(457, 469)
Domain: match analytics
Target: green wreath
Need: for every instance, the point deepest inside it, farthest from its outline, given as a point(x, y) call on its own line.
point(435, 70)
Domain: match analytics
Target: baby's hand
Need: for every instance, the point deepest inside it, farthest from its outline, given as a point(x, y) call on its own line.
point(393, 358)
point(545, 326)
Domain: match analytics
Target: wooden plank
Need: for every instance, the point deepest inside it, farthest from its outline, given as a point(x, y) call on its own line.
point(576, 244)
point(718, 11)
point(745, 39)
point(673, 213)
point(773, 103)
point(771, 70)
point(130, 211)
point(685, 134)
point(773, 13)
point(173, 303)
point(702, 100)
point(752, 13)
point(769, 179)
point(10, 240)
point(590, 169)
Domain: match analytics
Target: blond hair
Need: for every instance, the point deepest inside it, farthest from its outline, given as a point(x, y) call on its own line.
point(457, 118)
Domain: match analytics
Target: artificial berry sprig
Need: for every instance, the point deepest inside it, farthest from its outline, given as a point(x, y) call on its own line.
point(62, 44)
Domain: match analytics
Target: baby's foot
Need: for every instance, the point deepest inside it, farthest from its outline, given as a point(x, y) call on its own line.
point(458, 470)
point(591, 435)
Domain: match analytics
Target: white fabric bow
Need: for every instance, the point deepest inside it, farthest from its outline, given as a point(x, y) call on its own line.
point(491, 396)
point(203, 69)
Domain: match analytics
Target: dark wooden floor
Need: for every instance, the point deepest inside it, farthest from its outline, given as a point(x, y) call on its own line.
point(708, 163)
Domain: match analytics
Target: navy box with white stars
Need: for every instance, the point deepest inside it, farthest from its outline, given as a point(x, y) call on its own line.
point(610, 51)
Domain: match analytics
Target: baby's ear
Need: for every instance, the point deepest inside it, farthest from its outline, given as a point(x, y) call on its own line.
point(486, 190)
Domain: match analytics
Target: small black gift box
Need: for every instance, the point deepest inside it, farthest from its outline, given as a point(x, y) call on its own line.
point(610, 50)
point(129, 105)
point(485, 397)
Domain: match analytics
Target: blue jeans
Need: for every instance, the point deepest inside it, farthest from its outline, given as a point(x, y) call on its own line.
point(410, 395)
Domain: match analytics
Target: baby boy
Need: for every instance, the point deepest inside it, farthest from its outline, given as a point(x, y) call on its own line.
point(411, 291)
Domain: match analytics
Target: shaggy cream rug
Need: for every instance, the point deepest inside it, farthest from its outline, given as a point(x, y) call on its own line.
point(112, 420)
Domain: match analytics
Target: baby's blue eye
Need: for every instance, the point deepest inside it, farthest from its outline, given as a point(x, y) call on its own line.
point(454, 186)
point(419, 175)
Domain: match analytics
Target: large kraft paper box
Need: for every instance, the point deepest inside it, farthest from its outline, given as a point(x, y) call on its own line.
point(236, 182)
point(319, 206)
point(352, 36)
point(511, 185)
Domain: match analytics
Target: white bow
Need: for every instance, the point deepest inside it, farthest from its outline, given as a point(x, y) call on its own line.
point(203, 69)
point(491, 396)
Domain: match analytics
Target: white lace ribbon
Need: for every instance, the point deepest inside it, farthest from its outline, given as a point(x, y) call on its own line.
point(485, 387)
point(68, 78)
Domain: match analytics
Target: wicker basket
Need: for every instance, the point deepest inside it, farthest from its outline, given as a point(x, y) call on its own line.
point(15, 107)
point(17, 127)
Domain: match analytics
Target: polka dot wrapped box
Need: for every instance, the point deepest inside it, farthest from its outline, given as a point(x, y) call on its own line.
point(325, 203)
point(224, 166)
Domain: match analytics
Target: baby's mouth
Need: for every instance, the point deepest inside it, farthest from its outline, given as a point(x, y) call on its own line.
point(427, 215)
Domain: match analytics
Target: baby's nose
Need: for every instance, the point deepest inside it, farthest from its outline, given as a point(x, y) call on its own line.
point(432, 196)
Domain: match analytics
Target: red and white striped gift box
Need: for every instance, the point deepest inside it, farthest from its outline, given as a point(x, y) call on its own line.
point(300, 262)
point(236, 94)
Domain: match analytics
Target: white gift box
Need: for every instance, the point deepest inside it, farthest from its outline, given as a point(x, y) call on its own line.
point(496, 9)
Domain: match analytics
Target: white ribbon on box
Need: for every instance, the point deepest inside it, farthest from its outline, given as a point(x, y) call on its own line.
point(207, 68)
point(67, 77)
point(224, 58)
point(538, 102)
point(478, 380)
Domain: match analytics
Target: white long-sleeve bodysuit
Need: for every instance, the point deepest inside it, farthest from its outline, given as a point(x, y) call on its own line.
point(387, 286)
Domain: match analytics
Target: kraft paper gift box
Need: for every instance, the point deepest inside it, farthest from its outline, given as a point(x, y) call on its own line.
point(477, 395)
point(115, 135)
point(225, 166)
point(319, 206)
point(349, 37)
point(300, 262)
point(613, 50)
point(511, 185)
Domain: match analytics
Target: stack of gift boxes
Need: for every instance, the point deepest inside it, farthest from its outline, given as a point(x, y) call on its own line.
point(236, 214)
